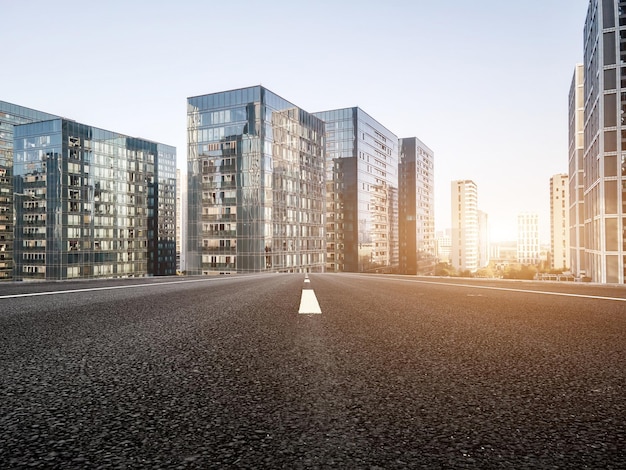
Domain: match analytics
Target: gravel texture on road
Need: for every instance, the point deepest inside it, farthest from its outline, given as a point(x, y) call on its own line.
point(390, 375)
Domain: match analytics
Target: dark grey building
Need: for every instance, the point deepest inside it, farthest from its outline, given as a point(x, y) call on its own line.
point(361, 193)
point(255, 184)
point(93, 203)
point(416, 222)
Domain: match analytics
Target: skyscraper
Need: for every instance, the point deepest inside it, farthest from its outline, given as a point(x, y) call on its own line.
point(255, 184)
point(528, 249)
point(465, 230)
point(559, 222)
point(483, 239)
point(576, 173)
point(92, 203)
point(416, 221)
point(181, 219)
point(605, 141)
point(10, 116)
point(361, 193)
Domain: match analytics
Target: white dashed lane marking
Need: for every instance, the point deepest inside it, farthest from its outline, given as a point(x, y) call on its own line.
point(308, 301)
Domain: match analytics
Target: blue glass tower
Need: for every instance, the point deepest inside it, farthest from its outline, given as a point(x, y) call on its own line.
point(10, 116)
point(94, 203)
point(255, 184)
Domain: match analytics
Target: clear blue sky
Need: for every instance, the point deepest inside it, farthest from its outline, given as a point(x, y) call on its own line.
point(484, 84)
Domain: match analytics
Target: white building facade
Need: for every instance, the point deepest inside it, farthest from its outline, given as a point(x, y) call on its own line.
point(528, 249)
point(464, 255)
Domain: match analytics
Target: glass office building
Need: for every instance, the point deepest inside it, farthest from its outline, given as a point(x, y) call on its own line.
point(416, 222)
point(361, 193)
point(93, 203)
point(255, 184)
point(10, 116)
point(604, 142)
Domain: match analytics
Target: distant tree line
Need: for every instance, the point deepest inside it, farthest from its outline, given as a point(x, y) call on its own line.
point(513, 271)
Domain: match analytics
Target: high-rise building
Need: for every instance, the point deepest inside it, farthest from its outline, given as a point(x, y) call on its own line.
point(10, 116)
point(483, 239)
point(444, 246)
point(361, 193)
point(91, 203)
point(559, 222)
point(465, 229)
point(416, 222)
point(576, 173)
point(605, 141)
point(255, 184)
point(181, 219)
point(528, 249)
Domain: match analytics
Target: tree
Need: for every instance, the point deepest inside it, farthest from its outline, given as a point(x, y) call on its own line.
point(445, 269)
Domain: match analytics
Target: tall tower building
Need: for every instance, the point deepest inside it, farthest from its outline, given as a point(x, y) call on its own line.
point(483, 239)
point(181, 220)
point(559, 222)
point(416, 222)
point(576, 149)
point(255, 184)
point(528, 249)
point(10, 116)
point(361, 193)
point(605, 141)
point(465, 229)
point(92, 203)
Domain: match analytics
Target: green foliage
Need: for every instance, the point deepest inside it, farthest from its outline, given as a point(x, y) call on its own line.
point(445, 269)
point(524, 272)
point(486, 272)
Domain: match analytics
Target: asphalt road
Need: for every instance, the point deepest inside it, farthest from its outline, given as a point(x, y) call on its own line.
point(396, 372)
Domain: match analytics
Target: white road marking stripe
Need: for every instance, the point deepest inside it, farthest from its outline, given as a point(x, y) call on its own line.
point(308, 303)
point(132, 286)
point(508, 289)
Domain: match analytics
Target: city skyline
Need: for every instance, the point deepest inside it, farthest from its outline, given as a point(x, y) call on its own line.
point(487, 95)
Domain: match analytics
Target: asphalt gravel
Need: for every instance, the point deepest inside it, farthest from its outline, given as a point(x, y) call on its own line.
point(391, 375)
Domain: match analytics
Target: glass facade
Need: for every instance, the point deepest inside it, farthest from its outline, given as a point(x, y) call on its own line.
point(604, 161)
point(416, 222)
point(361, 193)
point(576, 173)
point(93, 203)
point(255, 184)
point(10, 116)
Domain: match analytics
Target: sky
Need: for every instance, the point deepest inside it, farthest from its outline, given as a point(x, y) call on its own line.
point(484, 84)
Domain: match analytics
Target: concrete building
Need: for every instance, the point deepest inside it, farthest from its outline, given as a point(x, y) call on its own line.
point(604, 159)
point(576, 173)
point(93, 203)
point(444, 246)
point(528, 249)
point(416, 222)
point(503, 254)
point(10, 116)
point(361, 193)
point(255, 184)
point(483, 239)
point(465, 226)
point(559, 222)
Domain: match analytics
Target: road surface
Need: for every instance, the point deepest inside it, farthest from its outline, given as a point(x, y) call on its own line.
point(388, 372)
